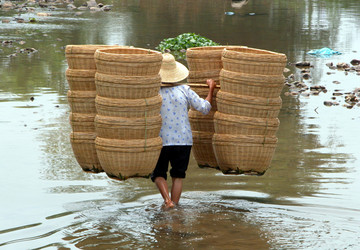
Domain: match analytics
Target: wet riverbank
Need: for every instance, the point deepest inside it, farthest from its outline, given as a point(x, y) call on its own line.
point(306, 200)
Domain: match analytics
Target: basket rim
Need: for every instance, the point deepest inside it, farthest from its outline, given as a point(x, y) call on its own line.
point(84, 73)
point(241, 139)
point(125, 103)
point(252, 77)
point(270, 122)
point(120, 55)
point(148, 143)
point(126, 121)
point(123, 79)
point(86, 48)
point(81, 94)
point(227, 96)
point(254, 54)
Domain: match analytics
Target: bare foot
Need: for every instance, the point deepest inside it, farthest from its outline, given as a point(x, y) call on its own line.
point(168, 204)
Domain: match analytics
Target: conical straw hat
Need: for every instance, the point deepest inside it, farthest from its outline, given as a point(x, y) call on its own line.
point(172, 71)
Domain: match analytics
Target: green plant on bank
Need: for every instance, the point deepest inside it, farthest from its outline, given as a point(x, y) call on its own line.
point(178, 45)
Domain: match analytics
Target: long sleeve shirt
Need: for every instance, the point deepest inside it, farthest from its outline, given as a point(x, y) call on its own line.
point(176, 103)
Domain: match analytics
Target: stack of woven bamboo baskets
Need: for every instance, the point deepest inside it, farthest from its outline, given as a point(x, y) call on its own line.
point(248, 105)
point(204, 63)
point(128, 105)
point(81, 97)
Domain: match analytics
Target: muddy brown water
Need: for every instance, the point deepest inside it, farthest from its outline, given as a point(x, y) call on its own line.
point(308, 199)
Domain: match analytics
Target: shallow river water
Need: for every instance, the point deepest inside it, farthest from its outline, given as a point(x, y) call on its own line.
point(308, 199)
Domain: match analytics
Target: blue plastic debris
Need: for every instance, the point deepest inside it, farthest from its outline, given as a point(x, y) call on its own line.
point(229, 13)
point(324, 52)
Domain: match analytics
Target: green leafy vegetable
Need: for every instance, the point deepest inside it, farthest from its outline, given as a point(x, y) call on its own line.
point(179, 44)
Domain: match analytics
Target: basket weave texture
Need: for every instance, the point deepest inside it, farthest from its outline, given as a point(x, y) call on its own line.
point(248, 105)
point(201, 122)
point(82, 56)
point(243, 125)
point(127, 128)
point(266, 86)
point(82, 122)
point(81, 79)
point(130, 108)
point(203, 150)
point(253, 61)
point(82, 101)
point(123, 159)
point(83, 145)
point(205, 58)
point(239, 154)
point(202, 76)
point(127, 87)
point(128, 61)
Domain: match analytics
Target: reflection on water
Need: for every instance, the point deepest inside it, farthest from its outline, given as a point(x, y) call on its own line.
point(304, 201)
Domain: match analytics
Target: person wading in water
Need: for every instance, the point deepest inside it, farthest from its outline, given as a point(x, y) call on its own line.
point(176, 131)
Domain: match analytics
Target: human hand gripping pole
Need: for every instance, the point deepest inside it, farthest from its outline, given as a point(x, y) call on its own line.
point(211, 83)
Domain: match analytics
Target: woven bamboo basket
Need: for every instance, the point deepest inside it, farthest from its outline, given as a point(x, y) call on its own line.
point(82, 122)
point(253, 61)
point(202, 76)
point(83, 145)
point(82, 56)
point(130, 108)
point(127, 128)
point(205, 58)
point(202, 90)
point(200, 122)
point(81, 79)
point(250, 106)
point(269, 86)
point(82, 101)
point(202, 149)
point(241, 154)
point(128, 61)
point(243, 125)
point(122, 159)
point(127, 87)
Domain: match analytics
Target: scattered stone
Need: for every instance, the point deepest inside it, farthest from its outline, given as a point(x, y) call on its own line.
point(32, 98)
point(355, 62)
point(328, 103)
point(294, 93)
point(336, 103)
point(314, 92)
point(337, 94)
point(95, 9)
point(82, 8)
point(106, 7)
point(317, 88)
point(351, 98)
point(5, 20)
point(333, 98)
point(22, 42)
point(342, 65)
point(286, 70)
point(330, 64)
point(92, 3)
point(336, 82)
point(43, 14)
point(291, 78)
point(306, 94)
point(302, 64)
point(306, 76)
point(71, 6)
point(20, 20)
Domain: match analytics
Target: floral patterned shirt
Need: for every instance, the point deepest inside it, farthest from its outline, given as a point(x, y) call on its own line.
point(176, 103)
